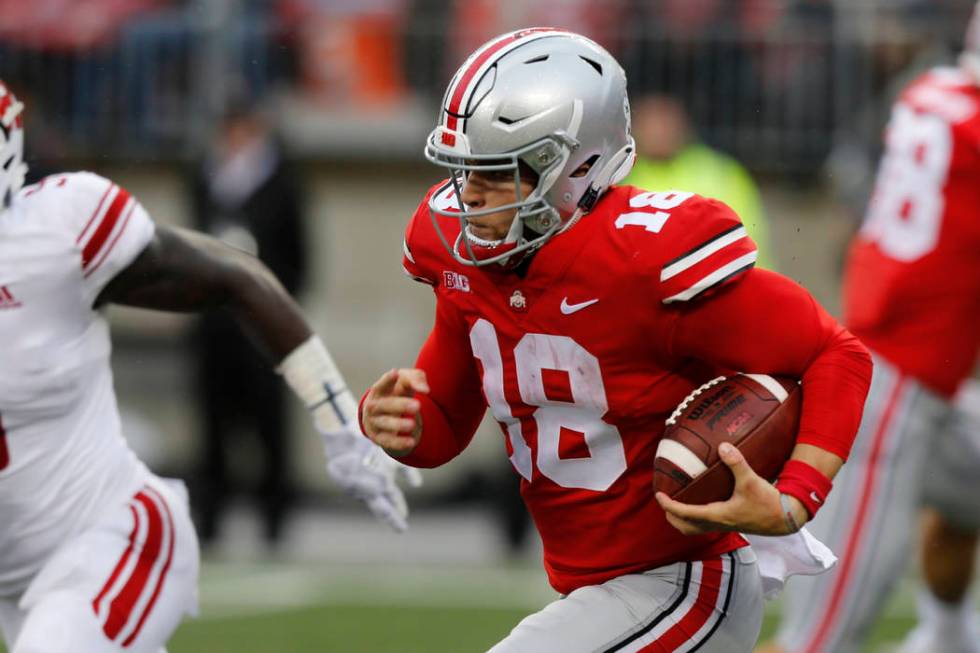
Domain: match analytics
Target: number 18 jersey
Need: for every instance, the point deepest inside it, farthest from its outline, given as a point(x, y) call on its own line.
point(912, 288)
point(583, 355)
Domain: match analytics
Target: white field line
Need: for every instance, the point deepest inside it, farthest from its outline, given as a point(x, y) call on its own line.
point(229, 591)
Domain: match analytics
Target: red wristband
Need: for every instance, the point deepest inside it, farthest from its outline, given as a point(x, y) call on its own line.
point(806, 483)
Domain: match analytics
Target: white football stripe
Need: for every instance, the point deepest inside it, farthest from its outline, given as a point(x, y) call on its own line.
point(719, 609)
point(697, 568)
point(681, 456)
point(408, 253)
point(701, 253)
point(774, 387)
point(713, 278)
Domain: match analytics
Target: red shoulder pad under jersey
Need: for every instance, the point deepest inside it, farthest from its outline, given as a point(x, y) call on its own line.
point(701, 243)
point(422, 250)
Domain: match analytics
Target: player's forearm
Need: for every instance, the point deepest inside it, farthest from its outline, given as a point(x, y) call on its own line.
point(823, 461)
point(835, 386)
point(265, 310)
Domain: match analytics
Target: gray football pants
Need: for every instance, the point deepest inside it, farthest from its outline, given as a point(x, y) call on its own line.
point(710, 606)
point(870, 519)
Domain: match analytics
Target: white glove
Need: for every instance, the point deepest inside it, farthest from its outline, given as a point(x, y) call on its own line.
point(364, 471)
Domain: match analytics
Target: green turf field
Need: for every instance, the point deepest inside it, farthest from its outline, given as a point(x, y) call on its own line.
point(299, 608)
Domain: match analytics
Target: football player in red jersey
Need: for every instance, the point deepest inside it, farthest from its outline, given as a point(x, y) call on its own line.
point(582, 313)
point(912, 294)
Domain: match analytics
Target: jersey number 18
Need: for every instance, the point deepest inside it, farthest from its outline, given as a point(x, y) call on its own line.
point(536, 356)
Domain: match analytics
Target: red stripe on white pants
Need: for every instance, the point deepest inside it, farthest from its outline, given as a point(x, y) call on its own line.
point(163, 572)
point(709, 593)
point(860, 521)
point(122, 606)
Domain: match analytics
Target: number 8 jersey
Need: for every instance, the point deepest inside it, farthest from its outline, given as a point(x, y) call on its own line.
point(912, 289)
point(582, 354)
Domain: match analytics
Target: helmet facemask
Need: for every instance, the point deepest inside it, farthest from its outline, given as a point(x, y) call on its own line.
point(12, 166)
point(535, 220)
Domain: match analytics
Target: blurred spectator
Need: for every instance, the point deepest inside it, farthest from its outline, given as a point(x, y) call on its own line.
point(668, 156)
point(246, 195)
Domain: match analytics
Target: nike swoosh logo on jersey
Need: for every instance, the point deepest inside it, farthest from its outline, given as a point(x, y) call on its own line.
point(816, 499)
point(568, 309)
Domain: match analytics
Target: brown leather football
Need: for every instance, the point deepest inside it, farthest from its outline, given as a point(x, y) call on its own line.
point(757, 413)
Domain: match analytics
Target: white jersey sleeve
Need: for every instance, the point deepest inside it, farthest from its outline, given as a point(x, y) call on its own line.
point(109, 227)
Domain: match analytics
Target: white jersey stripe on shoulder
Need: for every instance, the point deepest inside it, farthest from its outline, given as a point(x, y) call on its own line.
point(722, 273)
point(114, 236)
point(774, 387)
point(406, 251)
point(702, 253)
point(98, 212)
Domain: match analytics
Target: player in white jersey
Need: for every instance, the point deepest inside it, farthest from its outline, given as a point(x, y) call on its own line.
point(97, 554)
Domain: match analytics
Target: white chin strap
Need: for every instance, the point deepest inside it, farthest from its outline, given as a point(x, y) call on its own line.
point(480, 242)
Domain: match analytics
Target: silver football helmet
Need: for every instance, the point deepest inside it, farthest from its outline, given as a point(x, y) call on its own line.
point(970, 58)
point(550, 99)
point(12, 166)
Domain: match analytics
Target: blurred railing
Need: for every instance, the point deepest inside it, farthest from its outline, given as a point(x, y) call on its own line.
point(775, 82)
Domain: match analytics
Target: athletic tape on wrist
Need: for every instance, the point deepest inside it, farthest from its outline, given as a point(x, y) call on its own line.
point(805, 483)
point(788, 516)
point(311, 373)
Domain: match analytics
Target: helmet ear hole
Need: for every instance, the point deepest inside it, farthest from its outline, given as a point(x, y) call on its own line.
point(583, 169)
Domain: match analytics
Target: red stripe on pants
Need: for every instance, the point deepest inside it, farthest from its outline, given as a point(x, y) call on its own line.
point(122, 606)
point(163, 572)
point(859, 522)
point(712, 572)
point(121, 564)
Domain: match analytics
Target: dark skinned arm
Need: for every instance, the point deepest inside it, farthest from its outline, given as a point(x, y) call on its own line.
point(187, 271)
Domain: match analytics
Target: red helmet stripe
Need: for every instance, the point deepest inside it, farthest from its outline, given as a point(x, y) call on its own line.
point(452, 111)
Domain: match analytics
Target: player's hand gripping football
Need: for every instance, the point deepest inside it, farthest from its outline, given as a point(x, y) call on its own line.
point(754, 506)
point(363, 471)
point(391, 414)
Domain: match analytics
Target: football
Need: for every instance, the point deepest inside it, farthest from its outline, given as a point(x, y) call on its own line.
point(757, 413)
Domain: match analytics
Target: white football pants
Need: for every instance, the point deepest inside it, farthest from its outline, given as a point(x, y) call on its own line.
point(124, 584)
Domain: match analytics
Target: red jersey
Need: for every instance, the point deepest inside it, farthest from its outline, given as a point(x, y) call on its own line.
point(912, 288)
point(583, 356)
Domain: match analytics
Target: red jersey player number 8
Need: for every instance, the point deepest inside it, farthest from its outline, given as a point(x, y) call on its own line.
point(537, 352)
point(906, 210)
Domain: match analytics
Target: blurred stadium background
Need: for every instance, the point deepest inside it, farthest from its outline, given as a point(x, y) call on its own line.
point(798, 90)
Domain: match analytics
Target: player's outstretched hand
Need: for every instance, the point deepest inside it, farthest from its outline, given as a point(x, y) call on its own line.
point(363, 471)
point(754, 506)
point(391, 414)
